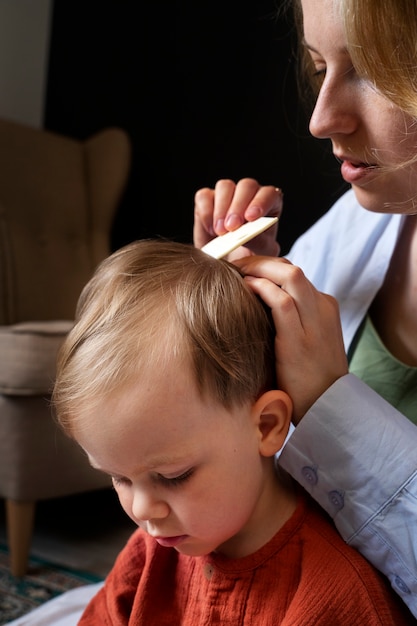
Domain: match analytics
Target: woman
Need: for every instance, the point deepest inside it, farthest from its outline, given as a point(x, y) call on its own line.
point(353, 451)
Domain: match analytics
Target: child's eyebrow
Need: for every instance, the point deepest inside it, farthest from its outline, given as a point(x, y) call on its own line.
point(94, 464)
point(97, 465)
point(157, 462)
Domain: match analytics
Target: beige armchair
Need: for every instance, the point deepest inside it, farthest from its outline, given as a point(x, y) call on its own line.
point(58, 198)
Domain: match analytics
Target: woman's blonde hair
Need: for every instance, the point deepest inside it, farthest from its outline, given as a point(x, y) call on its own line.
point(153, 300)
point(382, 41)
point(381, 37)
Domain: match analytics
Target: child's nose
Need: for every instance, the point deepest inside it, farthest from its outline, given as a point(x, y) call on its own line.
point(146, 507)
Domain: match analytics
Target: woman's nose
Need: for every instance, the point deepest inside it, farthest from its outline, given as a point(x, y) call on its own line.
point(335, 111)
point(146, 506)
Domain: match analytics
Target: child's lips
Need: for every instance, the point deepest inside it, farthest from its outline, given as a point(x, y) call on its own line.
point(170, 542)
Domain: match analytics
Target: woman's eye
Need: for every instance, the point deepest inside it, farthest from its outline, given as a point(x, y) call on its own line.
point(175, 480)
point(318, 76)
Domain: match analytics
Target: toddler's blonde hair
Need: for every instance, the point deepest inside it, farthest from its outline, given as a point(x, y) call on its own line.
point(154, 300)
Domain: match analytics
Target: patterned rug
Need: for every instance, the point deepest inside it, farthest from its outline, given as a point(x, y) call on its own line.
point(43, 582)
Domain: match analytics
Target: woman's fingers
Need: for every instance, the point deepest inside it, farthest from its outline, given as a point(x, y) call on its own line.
point(290, 279)
point(230, 204)
point(203, 230)
point(309, 348)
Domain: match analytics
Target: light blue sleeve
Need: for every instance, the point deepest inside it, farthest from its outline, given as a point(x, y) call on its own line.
point(357, 456)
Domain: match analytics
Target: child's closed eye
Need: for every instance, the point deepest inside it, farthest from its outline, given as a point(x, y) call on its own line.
point(119, 481)
point(173, 481)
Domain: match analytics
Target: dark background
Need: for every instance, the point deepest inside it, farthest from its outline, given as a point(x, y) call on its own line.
point(205, 89)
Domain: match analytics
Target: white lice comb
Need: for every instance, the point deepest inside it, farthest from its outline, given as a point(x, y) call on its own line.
point(222, 245)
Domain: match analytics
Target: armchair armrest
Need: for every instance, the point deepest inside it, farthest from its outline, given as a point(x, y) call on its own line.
point(28, 356)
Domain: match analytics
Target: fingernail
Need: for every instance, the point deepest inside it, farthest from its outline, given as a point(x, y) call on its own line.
point(233, 221)
point(253, 213)
point(219, 227)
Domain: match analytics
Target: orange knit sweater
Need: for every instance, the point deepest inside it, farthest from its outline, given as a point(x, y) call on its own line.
point(305, 576)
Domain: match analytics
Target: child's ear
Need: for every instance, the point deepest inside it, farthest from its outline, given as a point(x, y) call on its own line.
point(272, 412)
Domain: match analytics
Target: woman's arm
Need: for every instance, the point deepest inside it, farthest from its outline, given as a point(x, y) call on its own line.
point(353, 452)
point(357, 456)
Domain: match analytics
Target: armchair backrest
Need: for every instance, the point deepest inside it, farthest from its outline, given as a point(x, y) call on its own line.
point(58, 199)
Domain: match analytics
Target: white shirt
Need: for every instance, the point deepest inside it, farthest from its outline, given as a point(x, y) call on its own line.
point(353, 452)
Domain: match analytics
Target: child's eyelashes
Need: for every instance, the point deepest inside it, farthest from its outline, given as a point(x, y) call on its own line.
point(169, 481)
point(120, 480)
point(174, 480)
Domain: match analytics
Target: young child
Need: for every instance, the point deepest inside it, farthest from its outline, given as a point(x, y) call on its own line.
point(167, 382)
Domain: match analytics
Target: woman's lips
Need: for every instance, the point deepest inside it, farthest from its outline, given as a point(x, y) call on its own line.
point(354, 172)
point(170, 542)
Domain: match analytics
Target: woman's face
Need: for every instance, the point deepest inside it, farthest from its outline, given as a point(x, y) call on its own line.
point(370, 136)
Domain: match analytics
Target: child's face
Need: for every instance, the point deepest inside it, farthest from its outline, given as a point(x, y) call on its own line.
point(187, 471)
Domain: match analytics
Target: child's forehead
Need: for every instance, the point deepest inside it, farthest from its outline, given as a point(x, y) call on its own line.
point(157, 387)
point(155, 427)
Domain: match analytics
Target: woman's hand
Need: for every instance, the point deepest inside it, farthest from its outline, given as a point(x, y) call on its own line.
point(309, 350)
point(229, 205)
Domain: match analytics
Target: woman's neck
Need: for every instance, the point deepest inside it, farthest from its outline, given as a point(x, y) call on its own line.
point(394, 310)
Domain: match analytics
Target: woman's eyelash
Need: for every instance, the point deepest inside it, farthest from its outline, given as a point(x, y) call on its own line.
point(176, 480)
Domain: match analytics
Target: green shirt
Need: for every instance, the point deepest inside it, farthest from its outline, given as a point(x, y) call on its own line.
point(377, 367)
